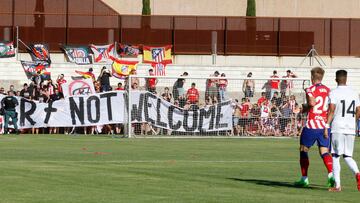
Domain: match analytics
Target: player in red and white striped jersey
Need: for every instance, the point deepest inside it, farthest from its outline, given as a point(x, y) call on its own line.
point(317, 97)
point(317, 115)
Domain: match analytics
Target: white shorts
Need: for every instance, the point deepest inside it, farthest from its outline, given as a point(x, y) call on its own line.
point(342, 144)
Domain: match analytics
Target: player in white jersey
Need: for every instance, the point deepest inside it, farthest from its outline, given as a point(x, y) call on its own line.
point(344, 111)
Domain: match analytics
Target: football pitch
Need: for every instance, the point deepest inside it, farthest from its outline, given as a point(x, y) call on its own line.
point(59, 168)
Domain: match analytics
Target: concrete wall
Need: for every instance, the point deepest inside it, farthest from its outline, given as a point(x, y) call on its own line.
point(272, 8)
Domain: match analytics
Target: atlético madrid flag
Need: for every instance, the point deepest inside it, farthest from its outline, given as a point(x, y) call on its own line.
point(157, 54)
point(160, 68)
point(102, 53)
point(122, 68)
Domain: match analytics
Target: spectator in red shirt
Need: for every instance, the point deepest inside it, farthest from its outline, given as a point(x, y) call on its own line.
point(274, 84)
point(244, 111)
point(192, 94)
point(151, 82)
point(60, 80)
point(262, 98)
point(245, 107)
point(120, 87)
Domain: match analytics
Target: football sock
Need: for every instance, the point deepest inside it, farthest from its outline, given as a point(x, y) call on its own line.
point(304, 163)
point(336, 170)
point(352, 164)
point(327, 159)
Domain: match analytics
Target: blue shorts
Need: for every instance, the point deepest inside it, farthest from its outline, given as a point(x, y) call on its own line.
point(309, 136)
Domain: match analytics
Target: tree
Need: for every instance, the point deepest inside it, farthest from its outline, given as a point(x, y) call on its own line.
point(146, 10)
point(251, 26)
point(251, 8)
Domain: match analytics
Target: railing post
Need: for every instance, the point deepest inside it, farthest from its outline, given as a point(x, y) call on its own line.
point(17, 43)
point(129, 106)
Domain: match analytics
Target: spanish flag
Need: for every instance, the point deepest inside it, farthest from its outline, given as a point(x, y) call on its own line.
point(157, 54)
point(121, 68)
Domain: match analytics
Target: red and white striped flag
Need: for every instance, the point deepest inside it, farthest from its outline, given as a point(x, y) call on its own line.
point(103, 53)
point(160, 68)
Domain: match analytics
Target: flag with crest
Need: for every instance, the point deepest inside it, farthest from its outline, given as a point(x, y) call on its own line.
point(122, 68)
point(7, 49)
point(129, 50)
point(39, 52)
point(34, 68)
point(102, 53)
point(160, 68)
point(157, 54)
point(77, 54)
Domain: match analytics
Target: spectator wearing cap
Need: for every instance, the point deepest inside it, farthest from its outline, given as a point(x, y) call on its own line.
point(192, 94)
point(274, 84)
point(105, 79)
point(151, 82)
point(212, 89)
point(178, 87)
point(249, 86)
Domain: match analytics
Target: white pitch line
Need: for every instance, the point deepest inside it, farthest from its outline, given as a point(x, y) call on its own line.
point(175, 138)
point(150, 161)
point(212, 137)
point(84, 139)
point(7, 139)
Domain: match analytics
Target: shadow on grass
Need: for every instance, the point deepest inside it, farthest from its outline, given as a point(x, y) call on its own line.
point(273, 183)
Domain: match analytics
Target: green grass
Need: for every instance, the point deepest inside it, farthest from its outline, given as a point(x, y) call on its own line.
point(62, 168)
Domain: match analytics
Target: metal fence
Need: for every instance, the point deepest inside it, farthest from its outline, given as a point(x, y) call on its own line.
point(174, 101)
point(91, 21)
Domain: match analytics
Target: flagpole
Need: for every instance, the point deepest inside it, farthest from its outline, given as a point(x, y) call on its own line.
point(24, 44)
point(17, 43)
point(115, 49)
point(129, 105)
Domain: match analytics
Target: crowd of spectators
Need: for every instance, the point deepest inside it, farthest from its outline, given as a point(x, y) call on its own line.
point(45, 91)
point(275, 113)
point(280, 116)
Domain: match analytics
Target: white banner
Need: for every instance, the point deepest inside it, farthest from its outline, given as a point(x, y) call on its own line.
point(78, 87)
point(111, 107)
